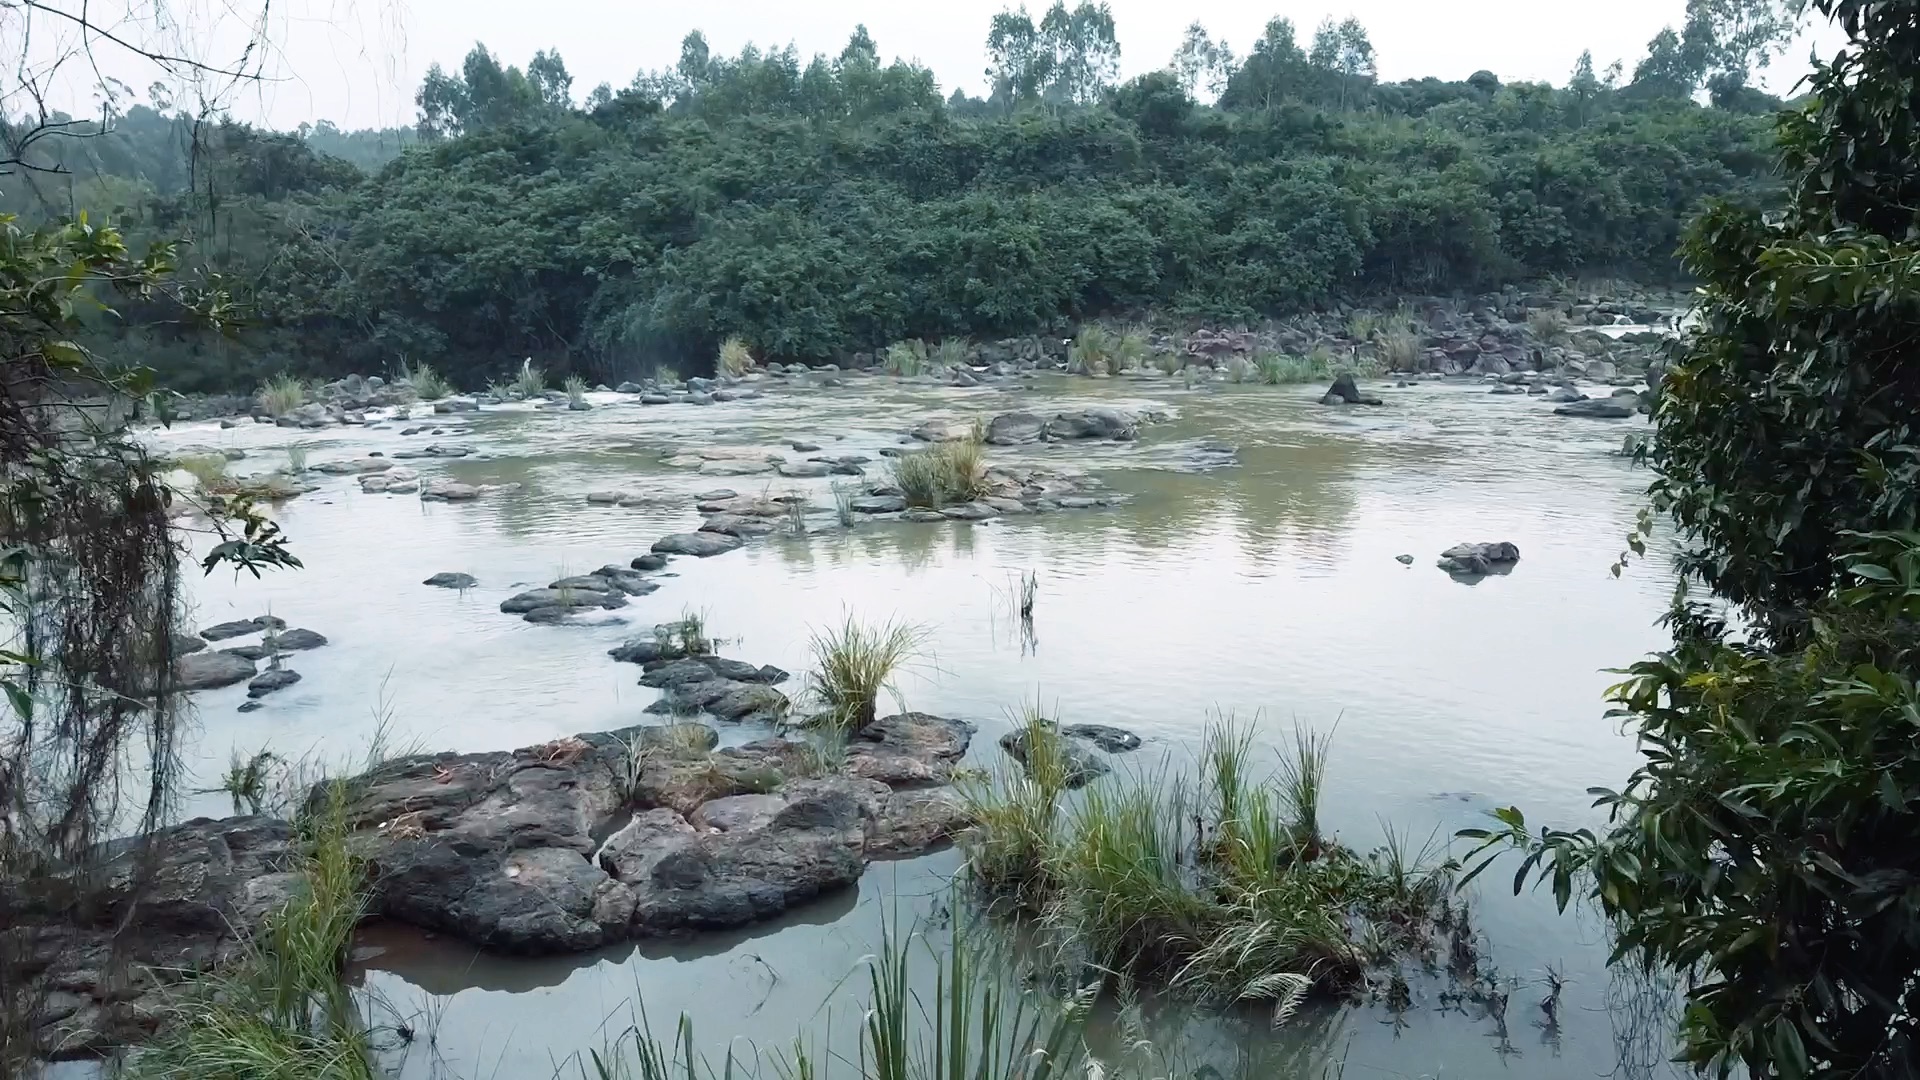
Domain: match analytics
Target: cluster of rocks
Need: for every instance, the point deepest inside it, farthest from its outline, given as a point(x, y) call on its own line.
point(695, 681)
point(199, 666)
point(1560, 390)
point(1013, 429)
point(1082, 748)
point(607, 587)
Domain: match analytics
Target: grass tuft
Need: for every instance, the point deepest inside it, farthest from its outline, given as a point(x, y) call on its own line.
point(531, 382)
point(428, 384)
point(576, 388)
point(843, 495)
point(906, 358)
point(1400, 348)
point(209, 471)
point(281, 395)
point(1280, 369)
point(297, 457)
point(1094, 351)
point(735, 358)
point(1547, 324)
point(854, 663)
point(952, 353)
point(1362, 325)
point(943, 474)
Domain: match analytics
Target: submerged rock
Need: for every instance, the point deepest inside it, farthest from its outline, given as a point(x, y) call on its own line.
point(447, 579)
point(1011, 429)
point(562, 598)
point(1597, 409)
point(1110, 424)
point(698, 544)
point(242, 627)
point(649, 562)
point(270, 680)
point(296, 640)
point(1476, 559)
point(1345, 391)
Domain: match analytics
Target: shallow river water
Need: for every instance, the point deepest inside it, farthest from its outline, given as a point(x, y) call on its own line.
point(1269, 590)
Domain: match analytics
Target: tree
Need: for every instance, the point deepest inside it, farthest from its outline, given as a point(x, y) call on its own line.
point(1086, 54)
point(1019, 64)
point(1344, 54)
point(551, 83)
point(1200, 63)
point(1583, 88)
point(1768, 849)
point(1274, 71)
point(1672, 69)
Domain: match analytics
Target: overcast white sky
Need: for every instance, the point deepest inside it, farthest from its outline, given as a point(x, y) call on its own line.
point(358, 62)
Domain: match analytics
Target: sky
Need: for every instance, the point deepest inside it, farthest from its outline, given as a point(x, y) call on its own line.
point(358, 62)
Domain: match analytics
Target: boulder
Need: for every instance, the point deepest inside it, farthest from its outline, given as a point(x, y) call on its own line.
point(649, 562)
point(877, 504)
point(627, 581)
point(1478, 559)
point(803, 470)
point(296, 640)
point(737, 525)
point(909, 749)
point(607, 498)
point(972, 511)
point(917, 819)
point(1596, 409)
point(698, 544)
point(448, 579)
point(210, 670)
point(1345, 391)
point(1566, 394)
point(939, 431)
point(1114, 740)
point(270, 680)
point(242, 627)
point(1010, 429)
point(448, 491)
point(1109, 424)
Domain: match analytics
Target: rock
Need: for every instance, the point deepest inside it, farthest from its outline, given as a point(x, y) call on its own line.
point(627, 388)
point(916, 820)
point(562, 598)
point(185, 644)
point(1110, 424)
point(270, 680)
point(242, 627)
point(909, 749)
point(592, 582)
point(658, 648)
point(736, 467)
point(363, 465)
point(877, 504)
point(448, 491)
point(1080, 764)
point(737, 525)
point(803, 470)
point(1345, 391)
point(973, 511)
point(1403, 560)
point(447, 579)
point(607, 498)
point(727, 699)
point(804, 447)
point(1009, 429)
point(296, 640)
point(698, 544)
point(649, 562)
point(691, 669)
point(939, 431)
point(923, 515)
point(738, 813)
point(1565, 395)
point(655, 399)
point(700, 397)
point(1114, 740)
point(1596, 409)
point(210, 670)
point(627, 581)
point(1477, 559)
point(250, 652)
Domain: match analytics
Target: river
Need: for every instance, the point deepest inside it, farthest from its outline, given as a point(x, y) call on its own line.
point(1270, 590)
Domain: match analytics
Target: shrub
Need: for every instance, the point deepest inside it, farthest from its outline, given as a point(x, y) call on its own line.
point(952, 353)
point(1131, 349)
point(1547, 324)
point(1093, 351)
point(946, 473)
point(1400, 349)
point(428, 385)
point(906, 358)
point(1362, 325)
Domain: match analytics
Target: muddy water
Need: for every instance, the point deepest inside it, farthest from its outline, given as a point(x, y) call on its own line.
point(1270, 590)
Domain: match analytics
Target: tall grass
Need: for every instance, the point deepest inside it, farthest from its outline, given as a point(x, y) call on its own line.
point(1170, 362)
point(1093, 351)
point(209, 471)
point(1400, 348)
point(281, 395)
point(297, 457)
point(942, 474)
point(1280, 369)
point(854, 664)
point(1130, 350)
point(906, 358)
point(576, 388)
point(952, 353)
point(735, 358)
point(1362, 325)
point(428, 384)
point(1222, 886)
point(1547, 324)
point(843, 495)
point(531, 380)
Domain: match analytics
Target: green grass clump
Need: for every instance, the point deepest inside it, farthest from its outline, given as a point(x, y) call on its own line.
point(576, 388)
point(209, 471)
point(428, 384)
point(1400, 349)
point(1221, 886)
point(735, 358)
point(1094, 351)
point(854, 663)
point(1131, 349)
point(1280, 369)
point(281, 395)
point(942, 474)
point(297, 457)
point(1362, 325)
point(531, 381)
point(906, 358)
point(500, 390)
point(1170, 362)
point(952, 353)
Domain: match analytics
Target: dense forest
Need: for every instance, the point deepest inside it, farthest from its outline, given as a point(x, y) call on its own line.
point(842, 203)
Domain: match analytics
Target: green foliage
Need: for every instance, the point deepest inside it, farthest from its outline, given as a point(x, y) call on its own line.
point(854, 664)
point(428, 385)
point(1765, 846)
point(531, 381)
point(951, 353)
point(1547, 324)
point(1279, 369)
point(282, 394)
point(1225, 889)
point(1400, 349)
point(576, 390)
point(906, 358)
point(1095, 351)
point(942, 474)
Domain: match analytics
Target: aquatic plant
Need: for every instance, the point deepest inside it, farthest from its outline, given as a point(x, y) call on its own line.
point(246, 780)
point(942, 474)
point(576, 388)
point(854, 663)
point(209, 471)
point(796, 504)
point(531, 381)
point(297, 457)
point(1362, 325)
point(688, 633)
point(735, 358)
point(1131, 348)
point(843, 495)
point(906, 358)
point(281, 395)
point(428, 384)
point(500, 390)
point(1222, 887)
